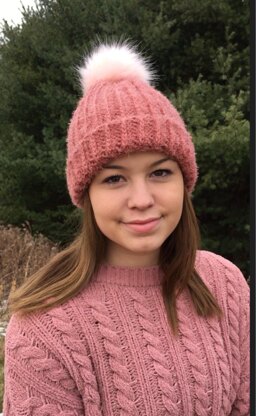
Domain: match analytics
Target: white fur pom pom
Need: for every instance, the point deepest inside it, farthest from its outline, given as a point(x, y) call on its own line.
point(113, 62)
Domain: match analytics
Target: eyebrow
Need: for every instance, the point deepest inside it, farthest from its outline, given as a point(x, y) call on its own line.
point(124, 168)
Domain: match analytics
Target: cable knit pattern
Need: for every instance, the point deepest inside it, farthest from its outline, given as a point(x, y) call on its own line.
point(73, 345)
point(121, 376)
point(193, 349)
point(109, 351)
point(156, 352)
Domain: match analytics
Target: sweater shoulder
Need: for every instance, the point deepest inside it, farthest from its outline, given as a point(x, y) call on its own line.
point(47, 328)
point(217, 271)
point(35, 331)
point(55, 326)
point(204, 257)
point(42, 355)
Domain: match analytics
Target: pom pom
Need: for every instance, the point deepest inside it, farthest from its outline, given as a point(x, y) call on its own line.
point(114, 62)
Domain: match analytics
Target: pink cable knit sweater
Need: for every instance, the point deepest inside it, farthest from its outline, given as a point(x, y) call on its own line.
point(110, 351)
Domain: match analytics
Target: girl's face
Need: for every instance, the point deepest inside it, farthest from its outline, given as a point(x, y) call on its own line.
point(137, 202)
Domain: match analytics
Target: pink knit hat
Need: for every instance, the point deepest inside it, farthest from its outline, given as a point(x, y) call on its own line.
point(120, 113)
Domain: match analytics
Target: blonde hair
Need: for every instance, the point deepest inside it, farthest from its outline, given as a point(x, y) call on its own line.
point(68, 272)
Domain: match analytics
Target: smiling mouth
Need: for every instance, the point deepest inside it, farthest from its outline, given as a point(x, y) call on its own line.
point(143, 226)
point(143, 221)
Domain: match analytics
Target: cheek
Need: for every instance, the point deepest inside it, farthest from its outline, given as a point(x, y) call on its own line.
point(179, 207)
point(103, 211)
point(96, 204)
point(173, 200)
point(180, 202)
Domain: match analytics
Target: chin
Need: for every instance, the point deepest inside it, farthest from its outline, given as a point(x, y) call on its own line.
point(144, 248)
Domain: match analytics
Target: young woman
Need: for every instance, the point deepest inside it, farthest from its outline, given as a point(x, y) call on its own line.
point(131, 318)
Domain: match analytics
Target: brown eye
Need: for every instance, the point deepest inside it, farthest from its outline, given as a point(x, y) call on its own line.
point(113, 179)
point(161, 172)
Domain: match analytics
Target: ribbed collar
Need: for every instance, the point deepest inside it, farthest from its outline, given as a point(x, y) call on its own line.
point(129, 276)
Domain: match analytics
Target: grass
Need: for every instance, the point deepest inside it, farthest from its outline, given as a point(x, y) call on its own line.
point(21, 254)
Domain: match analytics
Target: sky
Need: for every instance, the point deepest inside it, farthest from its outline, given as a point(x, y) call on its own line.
point(10, 10)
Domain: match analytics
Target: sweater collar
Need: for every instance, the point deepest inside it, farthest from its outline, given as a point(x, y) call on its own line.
point(129, 276)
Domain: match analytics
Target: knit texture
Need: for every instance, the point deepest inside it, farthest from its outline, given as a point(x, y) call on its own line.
point(110, 351)
point(115, 118)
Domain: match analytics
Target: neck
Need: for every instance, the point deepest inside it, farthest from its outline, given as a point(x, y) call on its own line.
point(118, 257)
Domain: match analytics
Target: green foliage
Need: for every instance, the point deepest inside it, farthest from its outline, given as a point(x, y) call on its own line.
point(33, 186)
point(201, 55)
point(221, 197)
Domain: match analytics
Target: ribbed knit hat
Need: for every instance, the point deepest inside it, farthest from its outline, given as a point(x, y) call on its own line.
point(119, 113)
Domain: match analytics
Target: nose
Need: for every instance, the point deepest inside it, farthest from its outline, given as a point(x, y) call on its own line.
point(140, 196)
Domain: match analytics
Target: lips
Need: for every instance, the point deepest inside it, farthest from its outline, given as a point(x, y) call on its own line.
point(142, 221)
point(143, 226)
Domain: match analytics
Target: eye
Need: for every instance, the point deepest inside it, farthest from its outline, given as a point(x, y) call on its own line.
point(113, 179)
point(161, 172)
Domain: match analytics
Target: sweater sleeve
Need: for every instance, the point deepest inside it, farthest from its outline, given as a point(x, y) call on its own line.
point(36, 381)
point(241, 405)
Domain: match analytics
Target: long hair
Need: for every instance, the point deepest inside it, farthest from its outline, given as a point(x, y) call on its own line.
point(71, 270)
point(177, 260)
